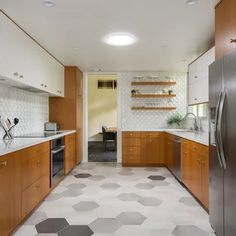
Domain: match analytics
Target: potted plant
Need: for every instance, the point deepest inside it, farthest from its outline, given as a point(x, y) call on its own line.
point(175, 120)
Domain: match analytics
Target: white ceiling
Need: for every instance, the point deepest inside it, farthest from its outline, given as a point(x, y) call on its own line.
point(168, 31)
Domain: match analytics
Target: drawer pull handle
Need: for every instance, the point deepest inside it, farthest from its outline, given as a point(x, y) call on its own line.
point(3, 164)
point(21, 76)
point(15, 74)
point(38, 162)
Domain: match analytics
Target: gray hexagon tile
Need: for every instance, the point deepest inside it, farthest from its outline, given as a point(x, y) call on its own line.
point(187, 230)
point(76, 186)
point(131, 218)
point(85, 206)
point(151, 169)
point(189, 201)
point(51, 225)
point(82, 175)
point(156, 177)
point(97, 177)
point(125, 172)
point(150, 201)
point(128, 197)
point(160, 183)
point(105, 225)
point(144, 186)
point(110, 186)
point(76, 230)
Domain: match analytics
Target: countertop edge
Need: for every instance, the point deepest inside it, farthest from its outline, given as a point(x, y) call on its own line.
point(32, 142)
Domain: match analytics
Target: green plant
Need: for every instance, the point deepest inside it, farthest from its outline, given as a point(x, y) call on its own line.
point(175, 119)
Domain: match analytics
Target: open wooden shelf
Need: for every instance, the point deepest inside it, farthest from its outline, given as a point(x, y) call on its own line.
point(153, 95)
point(153, 108)
point(161, 83)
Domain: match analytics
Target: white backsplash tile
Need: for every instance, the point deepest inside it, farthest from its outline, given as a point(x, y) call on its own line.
point(31, 109)
point(149, 120)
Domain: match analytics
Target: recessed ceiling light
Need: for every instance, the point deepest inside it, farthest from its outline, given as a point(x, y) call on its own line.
point(191, 2)
point(120, 39)
point(48, 3)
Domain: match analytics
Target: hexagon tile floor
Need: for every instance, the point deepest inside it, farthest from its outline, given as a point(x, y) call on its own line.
point(104, 199)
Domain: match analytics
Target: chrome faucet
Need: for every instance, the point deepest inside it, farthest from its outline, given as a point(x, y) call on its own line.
point(196, 127)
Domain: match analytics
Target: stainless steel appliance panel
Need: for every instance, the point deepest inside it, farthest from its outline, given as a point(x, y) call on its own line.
point(228, 138)
point(216, 202)
point(177, 157)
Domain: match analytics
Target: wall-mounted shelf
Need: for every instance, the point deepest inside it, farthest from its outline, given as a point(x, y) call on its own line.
point(149, 83)
point(153, 108)
point(153, 95)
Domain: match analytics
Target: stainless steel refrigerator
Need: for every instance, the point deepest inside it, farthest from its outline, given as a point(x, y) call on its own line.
point(222, 105)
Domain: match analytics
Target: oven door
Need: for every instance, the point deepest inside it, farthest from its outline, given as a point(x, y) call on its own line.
point(57, 164)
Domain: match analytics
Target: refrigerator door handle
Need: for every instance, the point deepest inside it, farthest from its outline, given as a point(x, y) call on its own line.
point(217, 133)
point(219, 128)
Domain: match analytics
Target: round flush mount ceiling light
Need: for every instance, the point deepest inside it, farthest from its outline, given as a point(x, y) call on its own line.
point(191, 2)
point(120, 39)
point(48, 3)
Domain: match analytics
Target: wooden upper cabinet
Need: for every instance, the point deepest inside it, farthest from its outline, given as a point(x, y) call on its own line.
point(10, 195)
point(70, 152)
point(225, 26)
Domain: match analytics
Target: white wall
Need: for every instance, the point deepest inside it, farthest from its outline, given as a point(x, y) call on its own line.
point(102, 106)
point(31, 109)
point(150, 120)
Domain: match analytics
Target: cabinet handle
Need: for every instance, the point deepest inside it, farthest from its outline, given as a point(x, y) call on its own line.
point(3, 163)
point(15, 74)
point(45, 86)
point(38, 162)
point(21, 76)
point(42, 85)
point(195, 77)
point(195, 99)
point(232, 40)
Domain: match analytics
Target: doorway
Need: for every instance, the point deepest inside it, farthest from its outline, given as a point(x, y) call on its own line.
point(102, 117)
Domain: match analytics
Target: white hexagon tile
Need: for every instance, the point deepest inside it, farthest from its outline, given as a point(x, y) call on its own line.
point(30, 108)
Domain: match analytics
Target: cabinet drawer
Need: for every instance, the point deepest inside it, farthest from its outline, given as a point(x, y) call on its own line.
point(131, 150)
point(37, 149)
point(131, 134)
point(131, 142)
point(34, 167)
point(34, 194)
point(131, 158)
point(151, 134)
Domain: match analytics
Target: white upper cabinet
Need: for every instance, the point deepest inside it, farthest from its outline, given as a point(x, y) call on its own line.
point(24, 62)
point(198, 75)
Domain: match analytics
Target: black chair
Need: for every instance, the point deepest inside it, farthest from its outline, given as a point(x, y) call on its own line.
point(108, 137)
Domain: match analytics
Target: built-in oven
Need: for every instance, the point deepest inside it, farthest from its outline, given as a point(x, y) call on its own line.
point(57, 160)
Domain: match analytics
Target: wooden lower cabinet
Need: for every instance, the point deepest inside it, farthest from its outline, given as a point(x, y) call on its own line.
point(10, 195)
point(142, 148)
point(70, 152)
point(34, 194)
point(195, 170)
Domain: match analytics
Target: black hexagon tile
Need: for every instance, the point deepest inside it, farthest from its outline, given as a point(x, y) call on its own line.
point(51, 225)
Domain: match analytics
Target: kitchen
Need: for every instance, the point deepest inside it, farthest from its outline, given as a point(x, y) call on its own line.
point(175, 132)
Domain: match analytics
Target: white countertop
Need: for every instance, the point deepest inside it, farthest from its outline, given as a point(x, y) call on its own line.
point(199, 137)
point(9, 146)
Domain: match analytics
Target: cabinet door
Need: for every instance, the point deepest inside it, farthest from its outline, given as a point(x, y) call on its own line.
point(205, 181)
point(225, 27)
point(195, 182)
point(152, 148)
point(69, 153)
point(10, 197)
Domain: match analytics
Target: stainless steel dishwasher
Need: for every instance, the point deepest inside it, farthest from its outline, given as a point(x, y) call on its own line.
point(177, 157)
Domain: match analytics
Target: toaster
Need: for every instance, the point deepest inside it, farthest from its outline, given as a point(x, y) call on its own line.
point(51, 126)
